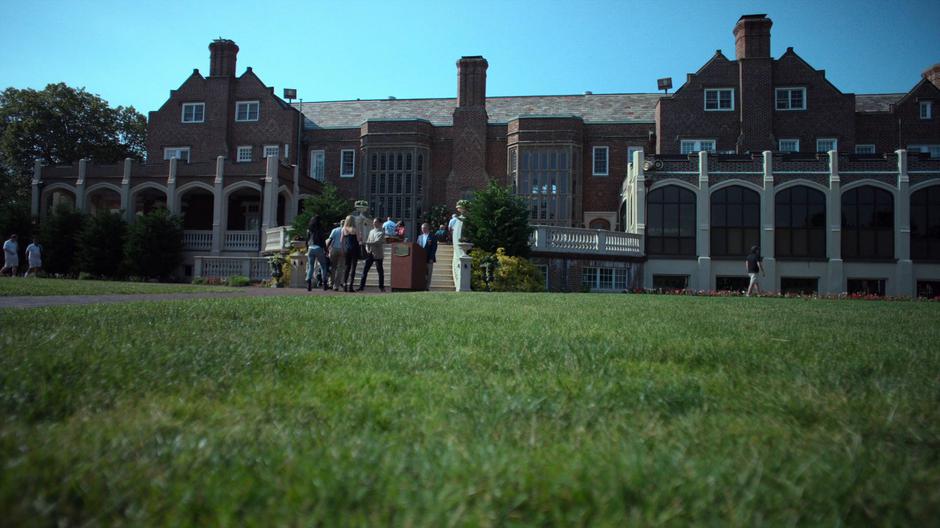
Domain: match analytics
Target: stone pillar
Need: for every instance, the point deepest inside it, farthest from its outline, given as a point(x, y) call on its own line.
point(767, 223)
point(217, 196)
point(126, 188)
point(36, 191)
point(80, 185)
point(703, 220)
point(292, 207)
point(269, 198)
point(171, 201)
point(834, 272)
point(639, 205)
point(904, 275)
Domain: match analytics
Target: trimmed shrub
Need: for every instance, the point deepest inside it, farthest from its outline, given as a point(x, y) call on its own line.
point(154, 246)
point(59, 240)
point(238, 281)
point(512, 274)
point(101, 245)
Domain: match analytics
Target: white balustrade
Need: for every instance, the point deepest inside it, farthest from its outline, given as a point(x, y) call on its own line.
point(241, 241)
point(197, 240)
point(552, 239)
point(276, 239)
point(255, 268)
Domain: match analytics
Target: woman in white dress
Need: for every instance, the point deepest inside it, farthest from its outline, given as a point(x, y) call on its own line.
point(33, 257)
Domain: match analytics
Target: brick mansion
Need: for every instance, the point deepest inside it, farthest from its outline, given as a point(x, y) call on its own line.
point(640, 190)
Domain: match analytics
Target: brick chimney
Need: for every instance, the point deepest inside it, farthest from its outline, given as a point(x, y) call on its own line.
point(752, 37)
point(468, 172)
point(932, 74)
point(471, 81)
point(222, 53)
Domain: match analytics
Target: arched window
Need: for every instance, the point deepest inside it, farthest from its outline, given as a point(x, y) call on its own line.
point(735, 221)
point(670, 221)
point(599, 223)
point(867, 223)
point(800, 226)
point(925, 224)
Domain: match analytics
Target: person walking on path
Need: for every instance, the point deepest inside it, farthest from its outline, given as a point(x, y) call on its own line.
point(334, 247)
point(33, 258)
point(755, 269)
point(350, 253)
point(11, 256)
point(316, 251)
point(429, 243)
point(375, 251)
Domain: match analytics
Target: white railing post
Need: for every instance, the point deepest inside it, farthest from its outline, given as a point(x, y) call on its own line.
point(197, 267)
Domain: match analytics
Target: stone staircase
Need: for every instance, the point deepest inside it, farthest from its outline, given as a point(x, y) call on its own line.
point(442, 278)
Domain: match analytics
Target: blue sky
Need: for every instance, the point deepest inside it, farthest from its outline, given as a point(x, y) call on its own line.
point(133, 53)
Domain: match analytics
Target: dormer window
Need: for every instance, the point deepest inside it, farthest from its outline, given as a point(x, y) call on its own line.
point(791, 98)
point(719, 99)
point(246, 110)
point(194, 112)
point(926, 109)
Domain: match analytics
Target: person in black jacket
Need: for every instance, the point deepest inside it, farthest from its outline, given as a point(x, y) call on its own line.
point(350, 253)
point(316, 251)
point(429, 242)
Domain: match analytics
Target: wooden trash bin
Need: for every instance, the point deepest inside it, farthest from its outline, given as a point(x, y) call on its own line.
point(409, 266)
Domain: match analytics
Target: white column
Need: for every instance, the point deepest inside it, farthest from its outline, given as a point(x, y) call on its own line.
point(292, 207)
point(269, 198)
point(171, 202)
point(126, 187)
point(703, 219)
point(217, 196)
point(834, 273)
point(904, 275)
point(640, 198)
point(36, 191)
point(767, 222)
point(80, 185)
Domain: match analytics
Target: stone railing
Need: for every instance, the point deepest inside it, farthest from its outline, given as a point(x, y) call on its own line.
point(461, 261)
point(255, 268)
point(241, 241)
point(551, 239)
point(276, 239)
point(197, 240)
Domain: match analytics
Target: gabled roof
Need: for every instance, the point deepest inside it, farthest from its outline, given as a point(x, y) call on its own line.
point(600, 108)
point(876, 102)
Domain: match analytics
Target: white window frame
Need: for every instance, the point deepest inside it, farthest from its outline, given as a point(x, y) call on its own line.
point(697, 145)
point(865, 148)
point(318, 165)
point(342, 159)
point(933, 150)
point(238, 153)
point(926, 110)
point(277, 151)
point(717, 92)
point(789, 99)
point(594, 170)
point(176, 151)
point(193, 106)
point(591, 278)
point(248, 111)
point(835, 144)
point(796, 145)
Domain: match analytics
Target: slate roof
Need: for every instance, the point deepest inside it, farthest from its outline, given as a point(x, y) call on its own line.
point(592, 108)
point(876, 102)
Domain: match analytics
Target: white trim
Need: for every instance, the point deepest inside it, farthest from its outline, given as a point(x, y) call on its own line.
point(167, 150)
point(731, 183)
point(874, 183)
point(264, 151)
point(672, 181)
point(185, 188)
point(147, 185)
point(870, 151)
point(342, 155)
point(718, 92)
point(594, 171)
point(800, 182)
point(60, 185)
point(789, 99)
point(314, 154)
point(248, 111)
point(835, 144)
point(102, 185)
point(928, 105)
point(194, 120)
point(697, 145)
point(923, 185)
point(240, 185)
point(238, 153)
point(794, 140)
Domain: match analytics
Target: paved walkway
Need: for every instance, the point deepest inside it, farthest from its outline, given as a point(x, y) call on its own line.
point(60, 300)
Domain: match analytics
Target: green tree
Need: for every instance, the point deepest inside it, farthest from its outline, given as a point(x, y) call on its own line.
point(328, 204)
point(101, 244)
point(497, 218)
point(15, 219)
point(61, 124)
point(58, 237)
point(154, 247)
point(437, 215)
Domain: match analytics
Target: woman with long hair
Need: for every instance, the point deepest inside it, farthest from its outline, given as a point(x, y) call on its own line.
point(316, 251)
point(350, 252)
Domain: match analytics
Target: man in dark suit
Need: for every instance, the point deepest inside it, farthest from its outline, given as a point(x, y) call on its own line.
point(429, 242)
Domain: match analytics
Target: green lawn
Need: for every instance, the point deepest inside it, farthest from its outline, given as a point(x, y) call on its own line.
point(35, 286)
point(472, 409)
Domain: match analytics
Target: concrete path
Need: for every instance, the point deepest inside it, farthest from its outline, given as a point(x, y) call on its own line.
point(60, 300)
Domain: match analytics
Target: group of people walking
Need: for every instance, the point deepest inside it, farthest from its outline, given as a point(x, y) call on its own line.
point(11, 257)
